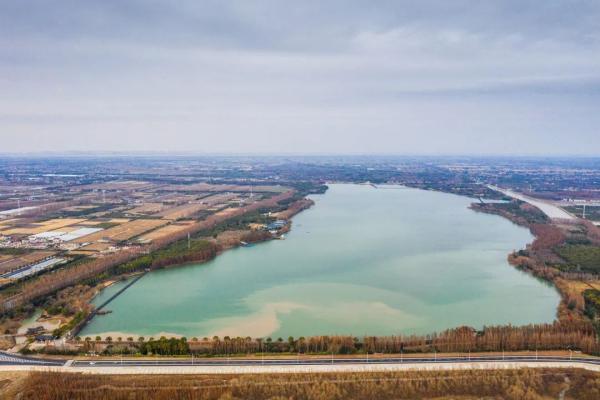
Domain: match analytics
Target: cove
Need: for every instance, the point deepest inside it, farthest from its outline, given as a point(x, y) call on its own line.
point(361, 261)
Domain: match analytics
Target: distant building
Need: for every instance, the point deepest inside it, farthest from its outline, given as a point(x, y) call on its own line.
point(45, 338)
point(276, 225)
point(35, 331)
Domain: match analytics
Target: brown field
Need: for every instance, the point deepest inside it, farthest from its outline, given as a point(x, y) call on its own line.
point(79, 208)
point(177, 198)
point(207, 187)
point(124, 231)
point(147, 208)
point(165, 231)
point(120, 185)
point(226, 212)
point(16, 261)
point(92, 222)
point(575, 289)
point(118, 220)
point(39, 227)
point(218, 198)
point(92, 248)
point(182, 211)
point(187, 210)
point(8, 222)
point(509, 384)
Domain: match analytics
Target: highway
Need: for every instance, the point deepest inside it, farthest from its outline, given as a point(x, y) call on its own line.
point(16, 359)
point(326, 361)
point(547, 207)
point(7, 359)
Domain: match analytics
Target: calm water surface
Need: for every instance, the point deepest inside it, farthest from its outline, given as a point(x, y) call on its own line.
point(361, 261)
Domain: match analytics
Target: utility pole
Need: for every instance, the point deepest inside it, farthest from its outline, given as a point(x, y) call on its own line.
point(188, 240)
point(583, 217)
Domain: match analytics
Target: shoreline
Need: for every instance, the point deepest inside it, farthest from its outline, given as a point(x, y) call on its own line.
point(555, 314)
point(305, 204)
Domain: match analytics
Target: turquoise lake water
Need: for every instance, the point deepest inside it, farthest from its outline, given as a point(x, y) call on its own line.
point(360, 261)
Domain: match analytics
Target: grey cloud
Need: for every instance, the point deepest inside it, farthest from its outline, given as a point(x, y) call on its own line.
point(338, 76)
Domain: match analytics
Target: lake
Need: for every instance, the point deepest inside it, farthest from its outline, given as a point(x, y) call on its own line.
point(361, 261)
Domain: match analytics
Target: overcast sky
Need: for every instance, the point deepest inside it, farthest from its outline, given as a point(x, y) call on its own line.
point(386, 77)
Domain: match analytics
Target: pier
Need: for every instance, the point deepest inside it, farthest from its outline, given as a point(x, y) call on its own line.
point(98, 310)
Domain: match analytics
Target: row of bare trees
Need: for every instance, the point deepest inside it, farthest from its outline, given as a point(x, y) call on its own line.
point(54, 281)
point(575, 335)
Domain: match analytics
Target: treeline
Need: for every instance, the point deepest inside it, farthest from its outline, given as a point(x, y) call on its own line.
point(576, 335)
point(164, 346)
point(513, 384)
point(517, 211)
point(592, 303)
point(295, 207)
point(177, 253)
point(581, 257)
point(546, 236)
point(52, 282)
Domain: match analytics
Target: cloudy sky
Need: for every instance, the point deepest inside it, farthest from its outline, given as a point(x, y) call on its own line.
point(381, 77)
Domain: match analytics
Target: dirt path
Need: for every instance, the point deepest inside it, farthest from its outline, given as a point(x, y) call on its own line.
point(561, 395)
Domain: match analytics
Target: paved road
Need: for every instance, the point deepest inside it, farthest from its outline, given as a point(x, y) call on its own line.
point(12, 359)
point(326, 361)
point(546, 207)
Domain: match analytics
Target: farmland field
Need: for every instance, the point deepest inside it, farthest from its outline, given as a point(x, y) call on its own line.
point(124, 231)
